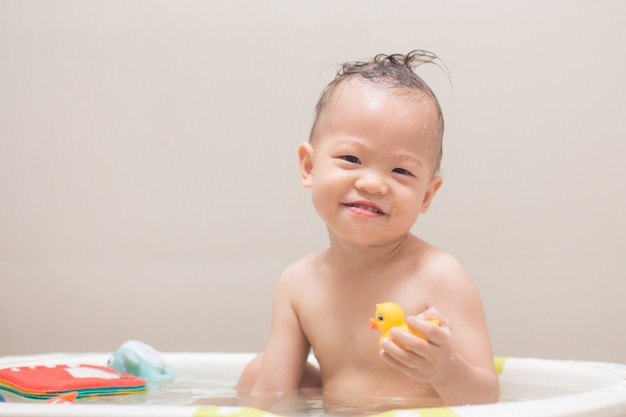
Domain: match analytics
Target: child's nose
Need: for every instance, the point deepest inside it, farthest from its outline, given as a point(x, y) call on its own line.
point(371, 183)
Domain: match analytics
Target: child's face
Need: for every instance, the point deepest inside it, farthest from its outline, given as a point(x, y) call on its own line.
point(371, 163)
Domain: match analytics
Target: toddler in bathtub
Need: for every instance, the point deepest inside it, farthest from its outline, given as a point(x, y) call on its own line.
point(372, 164)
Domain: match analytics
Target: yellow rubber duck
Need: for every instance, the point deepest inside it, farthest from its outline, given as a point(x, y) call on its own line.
point(390, 315)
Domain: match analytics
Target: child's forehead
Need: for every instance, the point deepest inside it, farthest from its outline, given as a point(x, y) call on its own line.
point(376, 95)
point(362, 98)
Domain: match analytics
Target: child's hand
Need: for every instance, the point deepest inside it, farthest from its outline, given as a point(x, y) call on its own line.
point(425, 360)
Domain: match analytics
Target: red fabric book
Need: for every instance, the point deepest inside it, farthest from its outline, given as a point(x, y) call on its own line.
point(44, 382)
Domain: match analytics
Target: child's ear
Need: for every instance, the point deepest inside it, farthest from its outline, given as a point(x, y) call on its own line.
point(305, 156)
point(434, 185)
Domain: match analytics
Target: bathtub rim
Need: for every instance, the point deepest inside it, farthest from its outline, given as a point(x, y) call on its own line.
point(601, 386)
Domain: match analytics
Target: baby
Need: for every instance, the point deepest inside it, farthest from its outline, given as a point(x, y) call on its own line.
point(372, 165)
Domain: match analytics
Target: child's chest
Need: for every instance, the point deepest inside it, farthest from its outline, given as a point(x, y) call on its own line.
point(335, 318)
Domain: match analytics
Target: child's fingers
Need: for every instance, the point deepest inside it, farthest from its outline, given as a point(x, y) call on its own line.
point(405, 360)
point(432, 313)
point(409, 341)
point(420, 358)
point(432, 333)
point(399, 356)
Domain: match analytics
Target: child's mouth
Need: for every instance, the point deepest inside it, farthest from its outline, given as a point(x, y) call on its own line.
point(367, 207)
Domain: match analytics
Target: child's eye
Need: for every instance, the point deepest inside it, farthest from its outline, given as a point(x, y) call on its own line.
point(402, 171)
point(351, 159)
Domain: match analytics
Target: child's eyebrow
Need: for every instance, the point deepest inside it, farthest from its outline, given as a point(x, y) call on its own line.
point(410, 158)
point(354, 143)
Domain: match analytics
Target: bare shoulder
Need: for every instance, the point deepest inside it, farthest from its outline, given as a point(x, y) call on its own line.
point(444, 270)
point(301, 273)
point(454, 292)
point(450, 287)
point(303, 266)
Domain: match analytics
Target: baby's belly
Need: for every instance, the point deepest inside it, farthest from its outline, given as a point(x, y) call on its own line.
point(379, 393)
point(356, 404)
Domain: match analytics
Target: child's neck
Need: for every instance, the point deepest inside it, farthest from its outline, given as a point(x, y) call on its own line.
point(351, 257)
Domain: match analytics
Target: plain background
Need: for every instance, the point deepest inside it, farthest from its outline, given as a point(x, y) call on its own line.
point(148, 172)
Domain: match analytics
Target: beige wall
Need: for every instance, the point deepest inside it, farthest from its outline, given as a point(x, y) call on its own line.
point(148, 176)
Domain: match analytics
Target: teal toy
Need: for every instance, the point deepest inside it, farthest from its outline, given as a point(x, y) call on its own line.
point(142, 360)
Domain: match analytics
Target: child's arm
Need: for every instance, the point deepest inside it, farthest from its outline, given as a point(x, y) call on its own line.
point(457, 359)
point(286, 352)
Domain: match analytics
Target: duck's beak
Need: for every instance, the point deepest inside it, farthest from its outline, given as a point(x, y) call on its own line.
point(373, 323)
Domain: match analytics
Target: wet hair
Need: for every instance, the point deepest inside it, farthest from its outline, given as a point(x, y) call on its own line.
point(394, 71)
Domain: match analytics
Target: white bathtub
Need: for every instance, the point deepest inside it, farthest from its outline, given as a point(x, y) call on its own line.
point(530, 388)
